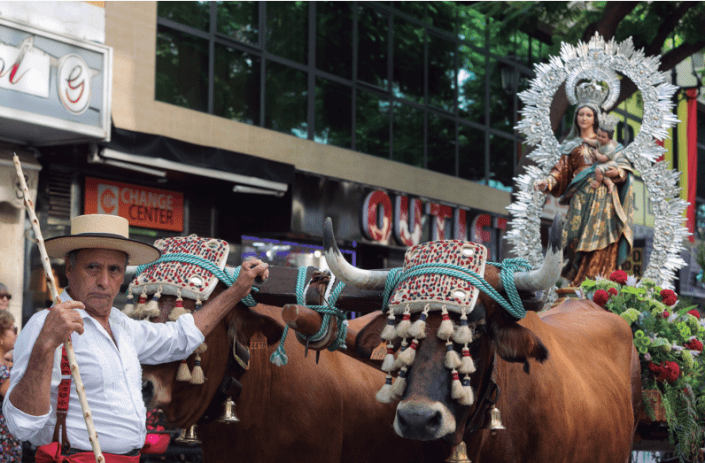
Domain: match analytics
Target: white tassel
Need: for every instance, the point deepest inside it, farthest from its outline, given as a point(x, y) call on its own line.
point(418, 328)
point(456, 386)
point(197, 376)
point(151, 310)
point(407, 357)
point(389, 333)
point(445, 331)
point(468, 396)
point(404, 325)
point(467, 364)
point(141, 303)
point(201, 348)
point(129, 309)
point(178, 309)
point(183, 374)
point(452, 358)
point(384, 395)
point(463, 334)
point(388, 364)
point(404, 347)
point(399, 385)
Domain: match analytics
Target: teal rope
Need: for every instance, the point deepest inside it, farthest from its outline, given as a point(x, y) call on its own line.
point(223, 276)
point(514, 306)
point(279, 356)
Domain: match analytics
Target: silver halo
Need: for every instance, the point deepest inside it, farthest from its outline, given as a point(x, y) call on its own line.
point(660, 181)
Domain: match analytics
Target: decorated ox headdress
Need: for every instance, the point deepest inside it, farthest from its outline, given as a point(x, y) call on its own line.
point(190, 267)
point(442, 276)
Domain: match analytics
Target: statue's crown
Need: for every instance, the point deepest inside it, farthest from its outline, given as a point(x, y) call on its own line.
point(591, 93)
point(608, 122)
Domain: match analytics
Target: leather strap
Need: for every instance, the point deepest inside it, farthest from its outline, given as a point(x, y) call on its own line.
point(62, 403)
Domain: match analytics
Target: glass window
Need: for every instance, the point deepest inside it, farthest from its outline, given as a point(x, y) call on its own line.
point(471, 25)
point(239, 21)
point(501, 161)
point(285, 100)
point(236, 86)
point(471, 146)
point(408, 135)
point(287, 30)
point(443, 15)
point(471, 85)
point(417, 10)
point(501, 100)
point(441, 144)
point(194, 14)
point(441, 73)
point(372, 124)
point(182, 69)
point(333, 113)
point(372, 46)
point(409, 53)
point(334, 39)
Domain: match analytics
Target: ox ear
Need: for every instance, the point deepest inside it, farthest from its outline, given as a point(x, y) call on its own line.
point(515, 343)
point(370, 337)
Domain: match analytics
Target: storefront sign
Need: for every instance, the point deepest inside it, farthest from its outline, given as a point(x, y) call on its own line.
point(48, 83)
point(141, 206)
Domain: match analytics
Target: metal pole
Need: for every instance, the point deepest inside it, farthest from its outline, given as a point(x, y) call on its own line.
point(68, 345)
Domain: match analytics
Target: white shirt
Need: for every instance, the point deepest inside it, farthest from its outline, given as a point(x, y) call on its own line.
point(111, 374)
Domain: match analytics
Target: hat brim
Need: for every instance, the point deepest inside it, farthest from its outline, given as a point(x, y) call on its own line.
point(138, 253)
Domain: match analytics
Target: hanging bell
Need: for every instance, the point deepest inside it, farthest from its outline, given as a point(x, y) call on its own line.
point(229, 412)
point(188, 436)
point(459, 454)
point(493, 421)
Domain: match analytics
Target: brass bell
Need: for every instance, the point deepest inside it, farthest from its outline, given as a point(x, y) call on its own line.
point(229, 412)
point(188, 436)
point(459, 454)
point(494, 421)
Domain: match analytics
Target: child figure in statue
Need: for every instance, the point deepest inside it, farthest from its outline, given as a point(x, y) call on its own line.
point(606, 154)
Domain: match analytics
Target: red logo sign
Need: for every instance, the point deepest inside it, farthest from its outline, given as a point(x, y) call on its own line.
point(141, 206)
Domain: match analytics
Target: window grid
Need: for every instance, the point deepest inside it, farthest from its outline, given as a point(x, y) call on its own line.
point(312, 73)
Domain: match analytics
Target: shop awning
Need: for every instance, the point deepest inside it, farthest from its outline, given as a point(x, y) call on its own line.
point(156, 154)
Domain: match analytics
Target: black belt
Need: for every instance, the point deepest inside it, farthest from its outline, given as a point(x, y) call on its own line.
point(72, 451)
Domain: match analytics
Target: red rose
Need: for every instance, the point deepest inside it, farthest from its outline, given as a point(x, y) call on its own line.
point(613, 291)
point(665, 314)
point(619, 276)
point(668, 297)
point(694, 313)
point(694, 344)
point(600, 297)
point(670, 372)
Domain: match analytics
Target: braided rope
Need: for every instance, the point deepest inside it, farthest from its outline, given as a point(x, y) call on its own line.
point(205, 264)
point(514, 306)
point(279, 357)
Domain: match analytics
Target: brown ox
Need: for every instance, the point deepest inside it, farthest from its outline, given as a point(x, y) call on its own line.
point(568, 378)
point(301, 412)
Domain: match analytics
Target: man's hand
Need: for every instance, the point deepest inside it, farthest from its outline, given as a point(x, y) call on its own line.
point(62, 320)
point(252, 270)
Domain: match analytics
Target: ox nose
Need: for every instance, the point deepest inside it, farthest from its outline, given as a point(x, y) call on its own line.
point(147, 391)
point(419, 423)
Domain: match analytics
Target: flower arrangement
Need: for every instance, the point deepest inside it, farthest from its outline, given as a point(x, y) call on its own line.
point(669, 340)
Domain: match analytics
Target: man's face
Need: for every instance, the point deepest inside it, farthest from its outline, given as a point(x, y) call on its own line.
point(96, 278)
point(4, 301)
point(602, 137)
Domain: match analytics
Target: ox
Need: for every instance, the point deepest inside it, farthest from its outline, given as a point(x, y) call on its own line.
point(567, 380)
point(301, 412)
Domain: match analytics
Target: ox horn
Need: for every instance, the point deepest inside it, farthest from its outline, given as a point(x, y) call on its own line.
point(546, 276)
point(353, 276)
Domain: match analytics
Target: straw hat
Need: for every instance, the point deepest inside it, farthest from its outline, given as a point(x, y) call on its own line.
point(101, 231)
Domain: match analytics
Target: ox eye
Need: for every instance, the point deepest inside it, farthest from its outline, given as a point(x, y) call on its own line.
point(467, 251)
point(196, 281)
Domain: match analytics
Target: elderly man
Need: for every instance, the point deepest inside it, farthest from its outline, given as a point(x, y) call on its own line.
point(109, 346)
point(5, 297)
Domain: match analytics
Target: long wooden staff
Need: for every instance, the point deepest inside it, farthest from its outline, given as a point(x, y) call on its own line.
point(80, 390)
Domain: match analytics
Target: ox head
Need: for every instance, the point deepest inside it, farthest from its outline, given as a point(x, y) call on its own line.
point(451, 335)
point(190, 275)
